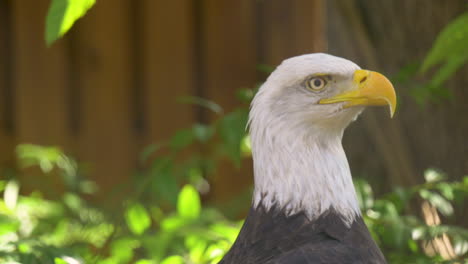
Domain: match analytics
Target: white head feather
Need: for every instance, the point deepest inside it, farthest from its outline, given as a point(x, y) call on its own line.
point(299, 161)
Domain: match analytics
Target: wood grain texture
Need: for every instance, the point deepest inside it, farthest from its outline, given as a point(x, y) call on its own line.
point(105, 71)
point(40, 78)
point(167, 45)
point(290, 28)
point(6, 89)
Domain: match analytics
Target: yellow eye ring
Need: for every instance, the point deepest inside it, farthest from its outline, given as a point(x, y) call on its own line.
point(316, 83)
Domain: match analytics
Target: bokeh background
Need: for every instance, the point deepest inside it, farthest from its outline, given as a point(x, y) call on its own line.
point(131, 74)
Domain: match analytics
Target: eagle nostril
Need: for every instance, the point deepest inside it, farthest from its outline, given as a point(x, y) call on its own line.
point(363, 79)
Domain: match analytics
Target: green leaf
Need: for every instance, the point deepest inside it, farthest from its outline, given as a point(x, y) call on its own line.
point(44, 157)
point(172, 223)
point(138, 218)
point(144, 261)
point(245, 95)
point(264, 68)
point(432, 175)
point(202, 102)
point(438, 201)
point(181, 139)
point(447, 190)
point(122, 249)
point(150, 150)
point(413, 246)
point(226, 231)
point(173, 260)
point(246, 146)
point(188, 203)
point(10, 195)
point(202, 132)
point(450, 49)
point(232, 131)
point(196, 246)
point(449, 68)
point(8, 225)
point(62, 15)
point(60, 261)
point(364, 194)
point(163, 178)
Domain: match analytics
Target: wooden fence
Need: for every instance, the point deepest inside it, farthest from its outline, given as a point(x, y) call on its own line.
point(110, 86)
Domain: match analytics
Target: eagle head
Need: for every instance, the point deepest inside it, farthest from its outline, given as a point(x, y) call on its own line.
point(320, 92)
point(297, 121)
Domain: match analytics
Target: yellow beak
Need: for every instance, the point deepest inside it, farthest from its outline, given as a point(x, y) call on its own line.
point(373, 89)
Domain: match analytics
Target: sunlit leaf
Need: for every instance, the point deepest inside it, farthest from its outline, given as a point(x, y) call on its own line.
point(8, 225)
point(196, 246)
point(446, 190)
point(438, 201)
point(413, 246)
point(32, 155)
point(227, 231)
point(62, 15)
point(10, 195)
point(137, 218)
point(188, 203)
point(173, 260)
point(122, 249)
point(73, 201)
point(215, 250)
point(418, 233)
point(172, 223)
point(432, 175)
point(246, 147)
point(144, 261)
point(60, 261)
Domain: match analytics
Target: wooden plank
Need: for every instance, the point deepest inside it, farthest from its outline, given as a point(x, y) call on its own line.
point(308, 25)
point(6, 111)
point(229, 63)
point(290, 28)
point(39, 77)
point(168, 66)
point(229, 55)
point(104, 65)
point(39, 81)
point(277, 34)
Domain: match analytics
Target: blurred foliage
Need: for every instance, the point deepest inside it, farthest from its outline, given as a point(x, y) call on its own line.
point(62, 15)
point(403, 236)
point(450, 49)
point(34, 229)
point(450, 52)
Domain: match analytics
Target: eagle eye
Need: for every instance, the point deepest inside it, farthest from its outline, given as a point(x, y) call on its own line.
point(316, 83)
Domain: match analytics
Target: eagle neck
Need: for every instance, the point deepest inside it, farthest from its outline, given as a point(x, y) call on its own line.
point(302, 173)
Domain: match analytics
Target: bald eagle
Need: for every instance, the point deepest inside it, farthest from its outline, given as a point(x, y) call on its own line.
point(304, 207)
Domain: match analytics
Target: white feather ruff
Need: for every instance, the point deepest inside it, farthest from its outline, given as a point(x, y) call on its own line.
point(299, 161)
